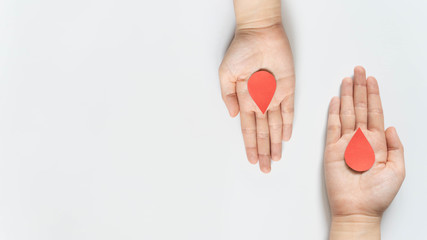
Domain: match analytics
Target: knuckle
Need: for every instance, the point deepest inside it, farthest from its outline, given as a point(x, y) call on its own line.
point(361, 104)
point(262, 135)
point(347, 112)
point(361, 121)
point(248, 131)
point(275, 126)
point(273, 108)
point(333, 127)
point(376, 110)
point(374, 91)
point(241, 91)
point(251, 149)
point(288, 110)
point(228, 95)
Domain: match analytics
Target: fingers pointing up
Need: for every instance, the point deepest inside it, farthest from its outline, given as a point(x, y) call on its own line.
point(360, 97)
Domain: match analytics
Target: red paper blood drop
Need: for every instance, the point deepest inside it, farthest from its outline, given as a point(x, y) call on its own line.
point(261, 86)
point(359, 154)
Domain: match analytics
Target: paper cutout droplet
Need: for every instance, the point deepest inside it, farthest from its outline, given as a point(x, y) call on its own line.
point(359, 154)
point(261, 87)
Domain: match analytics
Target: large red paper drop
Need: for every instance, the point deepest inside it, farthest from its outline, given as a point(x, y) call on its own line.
point(359, 154)
point(261, 87)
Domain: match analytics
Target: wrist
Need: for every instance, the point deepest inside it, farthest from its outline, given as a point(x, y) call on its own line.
point(355, 227)
point(252, 14)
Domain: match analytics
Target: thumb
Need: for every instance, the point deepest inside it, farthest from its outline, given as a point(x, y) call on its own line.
point(395, 150)
point(228, 92)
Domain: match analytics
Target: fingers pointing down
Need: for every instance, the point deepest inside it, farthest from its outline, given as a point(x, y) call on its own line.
point(287, 108)
point(248, 124)
point(263, 142)
point(275, 126)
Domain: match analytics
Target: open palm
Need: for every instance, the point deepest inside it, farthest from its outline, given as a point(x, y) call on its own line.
point(370, 192)
point(250, 51)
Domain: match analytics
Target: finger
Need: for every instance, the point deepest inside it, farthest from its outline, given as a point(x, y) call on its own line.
point(360, 98)
point(287, 109)
point(333, 133)
point(263, 142)
point(228, 91)
point(375, 110)
point(275, 129)
point(347, 116)
point(395, 154)
point(248, 124)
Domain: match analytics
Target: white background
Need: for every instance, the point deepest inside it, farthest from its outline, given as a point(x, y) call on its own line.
point(112, 125)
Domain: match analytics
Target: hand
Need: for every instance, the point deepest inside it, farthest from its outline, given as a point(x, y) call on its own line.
point(354, 196)
point(253, 49)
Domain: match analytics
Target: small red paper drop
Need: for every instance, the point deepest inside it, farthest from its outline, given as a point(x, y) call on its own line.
point(261, 87)
point(359, 154)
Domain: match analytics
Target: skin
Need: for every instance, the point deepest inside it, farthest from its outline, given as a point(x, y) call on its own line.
point(358, 199)
point(259, 42)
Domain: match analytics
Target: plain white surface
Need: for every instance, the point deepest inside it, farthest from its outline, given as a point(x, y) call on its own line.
point(112, 124)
